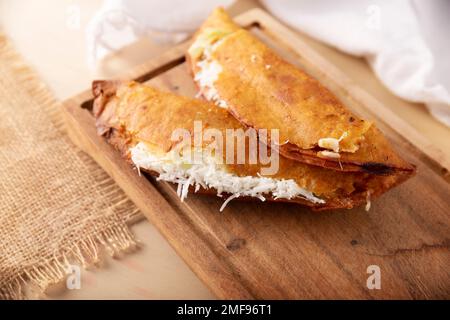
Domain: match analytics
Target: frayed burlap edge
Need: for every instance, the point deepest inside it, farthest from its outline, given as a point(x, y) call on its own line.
point(114, 240)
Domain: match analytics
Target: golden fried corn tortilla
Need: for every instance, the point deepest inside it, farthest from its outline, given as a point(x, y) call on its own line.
point(140, 121)
point(241, 74)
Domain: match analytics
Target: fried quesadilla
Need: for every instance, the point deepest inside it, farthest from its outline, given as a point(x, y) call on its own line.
point(140, 120)
point(241, 74)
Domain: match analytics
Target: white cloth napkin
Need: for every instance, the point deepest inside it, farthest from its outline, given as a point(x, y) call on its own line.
point(404, 41)
point(120, 22)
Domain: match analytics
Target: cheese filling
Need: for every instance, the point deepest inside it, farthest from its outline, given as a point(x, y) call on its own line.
point(206, 76)
point(208, 69)
point(208, 173)
point(328, 154)
point(331, 143)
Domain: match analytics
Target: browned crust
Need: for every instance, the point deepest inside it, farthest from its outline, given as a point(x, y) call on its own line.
point(293, 152)
point(104, 92)
point(375, 156)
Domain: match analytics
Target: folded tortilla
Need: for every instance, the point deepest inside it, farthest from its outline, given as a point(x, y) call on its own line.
point(140, 121)
point(241, 74)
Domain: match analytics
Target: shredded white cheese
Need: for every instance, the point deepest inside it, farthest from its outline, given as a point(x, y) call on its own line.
point(331, 143)
point(209, 69)
point(206, 76)
point(209, 174)
point(368, 203)
point(328, 154)
point(281, 144)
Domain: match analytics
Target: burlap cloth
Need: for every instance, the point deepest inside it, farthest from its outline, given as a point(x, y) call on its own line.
point(57, 206)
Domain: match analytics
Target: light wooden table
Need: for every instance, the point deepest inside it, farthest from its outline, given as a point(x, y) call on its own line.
point(57, 50)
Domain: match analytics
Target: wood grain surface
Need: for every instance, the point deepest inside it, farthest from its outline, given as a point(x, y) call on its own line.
point(272, 250)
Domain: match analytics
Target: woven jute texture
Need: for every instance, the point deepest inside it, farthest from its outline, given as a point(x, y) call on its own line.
point(57, 206)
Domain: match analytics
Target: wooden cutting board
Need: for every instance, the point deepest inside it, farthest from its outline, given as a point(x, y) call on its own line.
point(273, 250)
